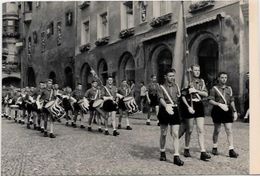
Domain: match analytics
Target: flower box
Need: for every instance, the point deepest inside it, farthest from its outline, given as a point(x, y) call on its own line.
point(126, 33)
point(102, 41)
point(197, 6)
point(85, 47)
point(162, 20)
point(84, 4)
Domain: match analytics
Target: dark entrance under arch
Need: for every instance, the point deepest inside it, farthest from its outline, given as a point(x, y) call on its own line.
point(16, 82)
point(85, 77)
point(103, 71)
point(127, 68)
point(164, 62)
point(31, 77)
point(68, 77)
point(208, 61)
point(52, 76)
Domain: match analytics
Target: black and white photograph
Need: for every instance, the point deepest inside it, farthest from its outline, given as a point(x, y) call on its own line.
point(125, 88)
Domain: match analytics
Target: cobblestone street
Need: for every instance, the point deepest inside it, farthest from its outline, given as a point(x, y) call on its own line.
point(136, 152)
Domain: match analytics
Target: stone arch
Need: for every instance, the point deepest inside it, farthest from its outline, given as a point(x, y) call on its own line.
point(11, 80)
point(68, 77)
point(85, 76)
point(160, 60)
point(204, 50)
point(52, 75)
point(31, 77)
point(102, 70)
point(126, 67)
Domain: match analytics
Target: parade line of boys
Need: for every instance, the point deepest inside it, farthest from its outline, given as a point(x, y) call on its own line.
point(44, 105)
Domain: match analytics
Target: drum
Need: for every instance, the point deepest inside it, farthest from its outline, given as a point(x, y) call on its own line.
point(98, 103)
point(14, 106)
point(109, 106)
point(130, 104)
point(49, 104)
point(84, 105)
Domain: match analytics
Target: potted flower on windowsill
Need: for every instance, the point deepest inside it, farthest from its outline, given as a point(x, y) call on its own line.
point(199, 5)
point(85, 47)
point(126, 33)
point(102, 41)
point(161, 20)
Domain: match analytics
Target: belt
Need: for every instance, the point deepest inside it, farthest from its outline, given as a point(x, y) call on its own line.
point(173, 105)
point(196, 100)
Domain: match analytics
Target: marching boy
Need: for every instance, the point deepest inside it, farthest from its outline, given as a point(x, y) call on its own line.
point(168, 115)
point(224, 111)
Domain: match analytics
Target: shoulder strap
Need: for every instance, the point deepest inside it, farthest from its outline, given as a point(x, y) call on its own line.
point(108, 91)
point(51, 94)
point(96, 95)
point(222, 96)
point(166, 93)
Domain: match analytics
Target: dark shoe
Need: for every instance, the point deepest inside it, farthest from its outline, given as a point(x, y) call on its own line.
point(45, 134)
point(67, 124)
point(31, 122)
point(59, 120)
point(52, 135)
point(39, 129)
point(42, 130)
point(82, 126)
point(19, 121)
point(15, 120)
point(9, 118)
point(233, 154)
point(106, 132)
point(35, 127)
point(215, 151)
point(89, 129)
point(186, 153)
point(100, 130)
point(23, 122)
point(204, 156)
point(28, 126)
point(163, 156)
point(148, 123)
point(119, 126)
point(73, 125)
point(129, 128)
point(178, 161)
point(115, 133)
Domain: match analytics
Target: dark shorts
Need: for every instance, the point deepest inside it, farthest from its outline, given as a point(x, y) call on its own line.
point(109, 106)
point(167, 119)
point(197, 106)
point(220, 116)
point(66, 104)
point(154, 100)
point(76, 107)
point(121, 105)
point(91, 108)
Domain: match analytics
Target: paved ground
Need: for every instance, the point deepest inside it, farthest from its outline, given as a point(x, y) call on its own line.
point(79, 152)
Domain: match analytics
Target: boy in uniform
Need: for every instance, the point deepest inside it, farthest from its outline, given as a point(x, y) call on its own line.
point(168, 115)
point(223, 111)
point(152, 98)
point(193, 110)
point(109, 92)
point(93, 94)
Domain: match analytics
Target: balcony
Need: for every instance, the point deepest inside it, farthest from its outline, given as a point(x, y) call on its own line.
point(11, 35)
point(10, 68)
point(28, 17)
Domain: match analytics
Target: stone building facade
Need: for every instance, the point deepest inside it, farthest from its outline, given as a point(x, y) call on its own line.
point(137, 40)
point(49, 41)
point(11, 72)
point(132, 40)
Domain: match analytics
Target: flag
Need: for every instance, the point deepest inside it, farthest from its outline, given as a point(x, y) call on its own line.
point(181, 50)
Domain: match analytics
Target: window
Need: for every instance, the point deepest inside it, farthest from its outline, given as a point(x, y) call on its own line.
point(29, 45)
point(37, 4)
point(27, 6)
point(127, 15)
point(85, 34)
point(43, 44)
point(143, 10)
point(59, 34)
point(50, 30)
point(102, 30)
point(161, 8)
